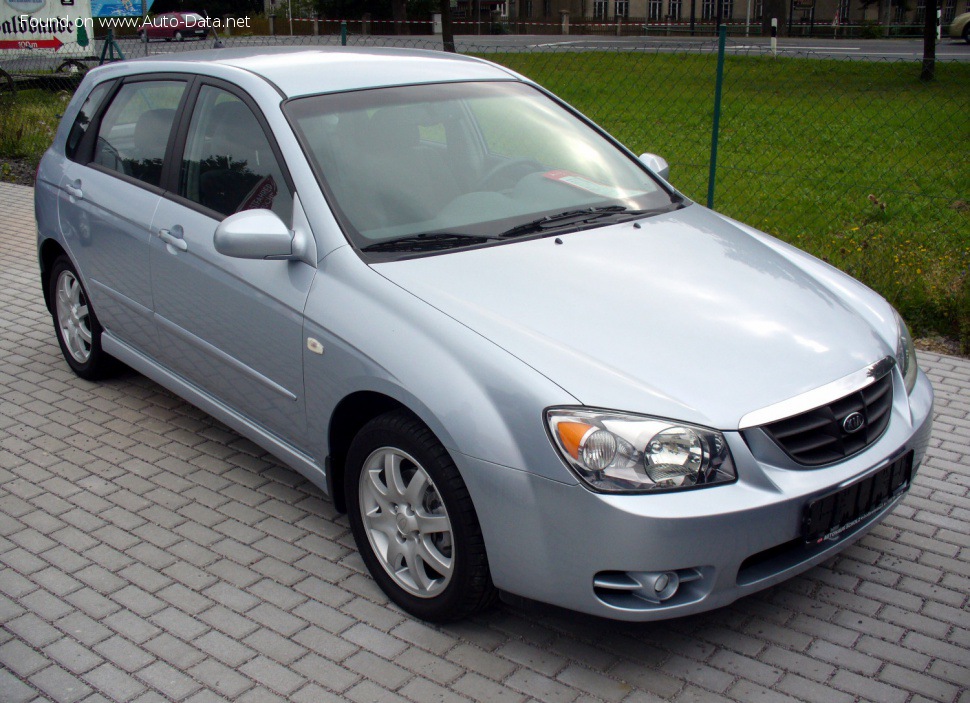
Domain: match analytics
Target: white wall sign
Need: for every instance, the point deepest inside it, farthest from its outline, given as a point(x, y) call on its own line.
point(61, 27)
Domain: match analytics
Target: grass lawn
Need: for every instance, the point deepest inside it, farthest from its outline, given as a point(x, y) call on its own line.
point(803, 145)
point(28, 120)
point(856, 162)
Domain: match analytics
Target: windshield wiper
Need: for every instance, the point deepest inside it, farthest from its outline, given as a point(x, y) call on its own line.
point(572, 218)
point(429, 241)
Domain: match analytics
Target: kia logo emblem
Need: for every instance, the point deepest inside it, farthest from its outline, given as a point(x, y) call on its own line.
point(853, 423)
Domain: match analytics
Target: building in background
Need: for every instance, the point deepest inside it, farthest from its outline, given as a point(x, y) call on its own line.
point(660, 12)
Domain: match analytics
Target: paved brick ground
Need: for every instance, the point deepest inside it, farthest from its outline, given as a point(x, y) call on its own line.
point(147, 553)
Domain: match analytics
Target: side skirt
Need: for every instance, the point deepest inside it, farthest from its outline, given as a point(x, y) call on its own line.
point(287, 453)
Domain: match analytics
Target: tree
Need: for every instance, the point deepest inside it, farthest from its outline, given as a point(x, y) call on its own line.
point(928, 71)
point(775, 9)
point(399, 12)
point(447, 29)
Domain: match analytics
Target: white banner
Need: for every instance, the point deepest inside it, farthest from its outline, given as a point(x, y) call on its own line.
point(55, 27)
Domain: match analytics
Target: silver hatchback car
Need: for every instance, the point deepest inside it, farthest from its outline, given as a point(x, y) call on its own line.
point(517, 357)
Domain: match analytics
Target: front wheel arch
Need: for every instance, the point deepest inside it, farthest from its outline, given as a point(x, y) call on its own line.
point(350, 415)
point(418, 535)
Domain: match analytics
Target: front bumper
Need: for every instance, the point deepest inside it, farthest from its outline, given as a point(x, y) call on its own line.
point(551, 541)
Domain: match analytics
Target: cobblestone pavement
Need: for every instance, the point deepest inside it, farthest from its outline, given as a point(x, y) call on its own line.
point(147, 553)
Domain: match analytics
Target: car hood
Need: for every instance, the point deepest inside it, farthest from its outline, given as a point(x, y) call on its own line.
point(689, 316)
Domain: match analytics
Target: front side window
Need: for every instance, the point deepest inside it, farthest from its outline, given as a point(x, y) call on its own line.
point(229, 165)
point(135, 129)
point(460, 161)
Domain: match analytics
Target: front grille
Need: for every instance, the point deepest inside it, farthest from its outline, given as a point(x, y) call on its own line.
point(819, 436)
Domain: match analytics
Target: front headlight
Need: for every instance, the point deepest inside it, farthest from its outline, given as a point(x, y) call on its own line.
point(621, 453)
point(906, 354)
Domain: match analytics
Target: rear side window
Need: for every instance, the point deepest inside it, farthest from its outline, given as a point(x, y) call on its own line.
point(229, 165)
point(84, 117)
point(134, 130)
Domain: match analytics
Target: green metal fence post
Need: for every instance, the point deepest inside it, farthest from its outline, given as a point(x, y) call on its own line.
point(719, 81)
point(343, 33)
point(110, 51)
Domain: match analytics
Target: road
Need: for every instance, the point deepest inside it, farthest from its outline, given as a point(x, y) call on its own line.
point(874, 49)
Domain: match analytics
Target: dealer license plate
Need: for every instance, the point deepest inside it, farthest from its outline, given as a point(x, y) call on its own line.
point(828, 517)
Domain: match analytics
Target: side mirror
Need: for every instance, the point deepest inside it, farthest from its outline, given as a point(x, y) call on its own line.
point(254, 234)
point(657, 164)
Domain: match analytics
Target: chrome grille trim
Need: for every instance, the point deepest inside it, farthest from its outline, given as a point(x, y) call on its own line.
point(820, 436)
point(821, 396)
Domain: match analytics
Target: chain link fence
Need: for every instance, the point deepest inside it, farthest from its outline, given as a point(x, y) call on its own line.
point(854, 161)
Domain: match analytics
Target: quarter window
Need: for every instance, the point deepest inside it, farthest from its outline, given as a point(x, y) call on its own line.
point(84, 117)
point(229, 165)
point(135, 130)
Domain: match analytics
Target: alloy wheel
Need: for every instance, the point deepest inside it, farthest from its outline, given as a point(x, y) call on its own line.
point(406, 522)
point(73, 317)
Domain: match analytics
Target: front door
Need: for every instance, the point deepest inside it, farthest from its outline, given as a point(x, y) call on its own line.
point(233, 327)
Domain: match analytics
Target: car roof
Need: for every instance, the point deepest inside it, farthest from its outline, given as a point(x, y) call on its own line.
point(297, 71)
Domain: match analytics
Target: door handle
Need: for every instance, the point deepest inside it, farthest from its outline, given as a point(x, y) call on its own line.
point(173, 237)
point(74, 189)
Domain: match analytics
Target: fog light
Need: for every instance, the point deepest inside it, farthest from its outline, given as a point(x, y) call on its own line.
point(658, 586)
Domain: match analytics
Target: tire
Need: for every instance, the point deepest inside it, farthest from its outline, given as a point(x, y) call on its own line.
point(7, 82)
point(422, 545)
point(77, 327)
point(70, 66)
point(179, 37)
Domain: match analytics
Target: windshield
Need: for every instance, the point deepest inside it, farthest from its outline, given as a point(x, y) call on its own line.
point(461, 164)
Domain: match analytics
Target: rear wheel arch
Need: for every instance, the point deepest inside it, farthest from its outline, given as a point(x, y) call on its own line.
point(50, 250)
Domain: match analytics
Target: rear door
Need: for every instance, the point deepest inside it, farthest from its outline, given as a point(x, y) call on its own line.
point(233, 327)
point(109, 193)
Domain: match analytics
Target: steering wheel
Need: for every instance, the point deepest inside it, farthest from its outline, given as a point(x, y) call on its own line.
point(504, 170)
